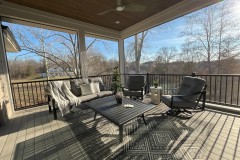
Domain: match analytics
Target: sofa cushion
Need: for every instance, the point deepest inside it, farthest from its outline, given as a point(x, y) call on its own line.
point(95, 87)
point(88, 97)
point(99, 80)
point(86, 89)
point(75, 85)
point(104, 93)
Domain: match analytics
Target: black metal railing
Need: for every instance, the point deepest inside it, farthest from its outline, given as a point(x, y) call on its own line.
point(221, 89)
point(32, 93)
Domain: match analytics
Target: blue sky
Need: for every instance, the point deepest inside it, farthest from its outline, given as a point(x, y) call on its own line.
point(165, 35)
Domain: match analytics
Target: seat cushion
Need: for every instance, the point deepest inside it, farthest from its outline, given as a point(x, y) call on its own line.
point(88, 97)
point(104, 93)
point(127, 92)
point(177, 102)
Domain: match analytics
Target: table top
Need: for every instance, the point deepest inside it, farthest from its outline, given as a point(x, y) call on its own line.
point(116, 113)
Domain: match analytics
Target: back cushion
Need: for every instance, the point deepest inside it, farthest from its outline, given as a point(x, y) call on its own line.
point(75, 85)
point(190, 86)
point(135, 83)
point(86, 89)
point(99, 80)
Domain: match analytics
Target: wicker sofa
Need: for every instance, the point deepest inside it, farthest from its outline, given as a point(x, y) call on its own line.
point(77, 87)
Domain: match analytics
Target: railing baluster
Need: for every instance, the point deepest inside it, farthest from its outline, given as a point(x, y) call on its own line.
point(36, 92)
point(23, 90)
point(226, 90)
point(41, 92)
point(215, 91)
point(33, 95)
point(238, 90)
point(220, 97)
point(232, 90)
point(210, 87)
point(19, 95)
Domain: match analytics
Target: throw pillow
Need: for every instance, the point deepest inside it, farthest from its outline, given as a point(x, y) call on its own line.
point(95, 87)
point(75, 85)
point(100, 81)
point(86, 89)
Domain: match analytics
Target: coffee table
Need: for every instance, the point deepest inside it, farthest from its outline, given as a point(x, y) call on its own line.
point(117, 113)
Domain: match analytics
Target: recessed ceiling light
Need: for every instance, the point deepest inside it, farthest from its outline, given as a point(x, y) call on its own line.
point(117, 22)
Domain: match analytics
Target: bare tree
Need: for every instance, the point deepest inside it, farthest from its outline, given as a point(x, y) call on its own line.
point(58, 48)
point(165, 55)
point(214, 33)
point(135, 50)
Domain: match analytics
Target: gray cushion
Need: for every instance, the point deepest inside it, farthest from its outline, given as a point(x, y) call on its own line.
point(190, 86)
point(99, 80)
point(88, 97)
point(104, 93)
point(75, 85)
point(127, 92)
point(177, 102)
point(86, 89)
point(135, 83)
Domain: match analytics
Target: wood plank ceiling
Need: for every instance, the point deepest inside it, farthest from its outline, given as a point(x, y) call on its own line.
point(87, 10)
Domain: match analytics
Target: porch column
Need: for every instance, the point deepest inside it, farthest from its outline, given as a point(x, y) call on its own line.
point(82, 52)
point(6, 101)
point(121, 58)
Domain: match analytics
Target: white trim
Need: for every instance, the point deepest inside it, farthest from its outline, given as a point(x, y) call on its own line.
point(178, 10)
point(26, 14)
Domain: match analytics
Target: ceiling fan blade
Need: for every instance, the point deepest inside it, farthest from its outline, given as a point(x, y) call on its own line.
point(104, 12)
point(134, 8)
point(119, 2)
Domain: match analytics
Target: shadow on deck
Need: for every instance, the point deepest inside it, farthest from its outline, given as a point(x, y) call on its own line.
point(33, 134)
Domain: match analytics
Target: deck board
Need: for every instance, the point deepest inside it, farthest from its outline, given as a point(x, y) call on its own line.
point(34, 134)
point(11, 139)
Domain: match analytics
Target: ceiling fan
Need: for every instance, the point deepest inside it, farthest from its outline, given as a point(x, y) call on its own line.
point(124, 7)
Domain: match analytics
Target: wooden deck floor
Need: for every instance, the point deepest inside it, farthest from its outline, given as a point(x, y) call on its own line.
point(33, 134)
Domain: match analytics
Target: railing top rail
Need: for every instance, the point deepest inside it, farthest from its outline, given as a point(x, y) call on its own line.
point(186, 74)
point(60, 79)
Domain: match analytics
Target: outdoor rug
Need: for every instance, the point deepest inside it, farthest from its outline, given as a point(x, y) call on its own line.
point(165, 137)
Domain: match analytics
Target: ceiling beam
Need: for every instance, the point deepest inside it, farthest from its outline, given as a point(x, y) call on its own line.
point(178, 10)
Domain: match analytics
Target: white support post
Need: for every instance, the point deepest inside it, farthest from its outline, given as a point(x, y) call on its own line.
point(82, 52)
point(121, 59)
point(5, 88)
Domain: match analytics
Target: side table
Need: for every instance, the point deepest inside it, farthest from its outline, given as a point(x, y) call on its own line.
point(156, 94)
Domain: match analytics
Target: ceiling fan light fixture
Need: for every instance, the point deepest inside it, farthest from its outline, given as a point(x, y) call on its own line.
point(117, 22)
point(120, 8)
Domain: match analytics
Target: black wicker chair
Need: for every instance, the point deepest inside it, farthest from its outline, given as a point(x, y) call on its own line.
point(191, 91)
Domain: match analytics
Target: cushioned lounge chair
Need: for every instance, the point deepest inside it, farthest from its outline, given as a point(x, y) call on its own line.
point(191, 91)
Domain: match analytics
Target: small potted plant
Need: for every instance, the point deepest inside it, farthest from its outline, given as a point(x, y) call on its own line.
point(116, 85)
point(155, 83)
